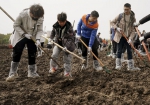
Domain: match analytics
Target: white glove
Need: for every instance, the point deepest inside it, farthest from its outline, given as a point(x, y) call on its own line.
point(78, 36)
point(129, 41)
point(119, 29)
point(136, 24)
point(89, 50)
point(50, 41)
point(141, 38)
point(65, 48)
point(28, 36)
point(38, 43)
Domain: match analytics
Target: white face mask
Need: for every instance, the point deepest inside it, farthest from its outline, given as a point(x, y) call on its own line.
point(99, 36)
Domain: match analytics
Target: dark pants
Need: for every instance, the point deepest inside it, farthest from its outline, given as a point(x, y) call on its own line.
point(136, 45)
point(79, 45)
point(124, 48)
point(42, 44)
point(32, 49)
point(94, 47)
point(114, 44)
point(120, 46)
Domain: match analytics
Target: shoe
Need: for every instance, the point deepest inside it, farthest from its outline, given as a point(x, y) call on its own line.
point(131, 65)
point(118, 64)
point(32, 71)
point(13, 72)
point(52, 70)
point(97, 66)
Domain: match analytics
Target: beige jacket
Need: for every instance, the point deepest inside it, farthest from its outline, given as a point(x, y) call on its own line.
point(34, 28)
point(131, 30)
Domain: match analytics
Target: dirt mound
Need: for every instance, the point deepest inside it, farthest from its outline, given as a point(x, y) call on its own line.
point(87, 87)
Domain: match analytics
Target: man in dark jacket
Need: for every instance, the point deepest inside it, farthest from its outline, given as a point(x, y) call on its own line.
point(64, 36)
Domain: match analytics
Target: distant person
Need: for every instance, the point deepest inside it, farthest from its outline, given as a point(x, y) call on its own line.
point(114, 44)
point(86, 30)
point(136, 41)
point(99, 39)
point(42, 40)
point(31, 20)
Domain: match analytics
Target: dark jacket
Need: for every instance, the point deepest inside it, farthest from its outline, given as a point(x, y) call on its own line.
point(66, 35)
point(145, 19)
point(136, 38)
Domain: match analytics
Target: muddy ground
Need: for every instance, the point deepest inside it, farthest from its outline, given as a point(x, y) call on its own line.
point(86, 87)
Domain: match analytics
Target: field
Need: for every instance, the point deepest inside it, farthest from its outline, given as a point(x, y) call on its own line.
point(86, 87)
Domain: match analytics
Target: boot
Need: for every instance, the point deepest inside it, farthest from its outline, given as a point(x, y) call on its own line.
point(131, 65)
point(52, 67)
point(96, 65)
point(32, 71)
point(122, 57)
point(67, 74)
point(13, 72)
point(118, 64)
point(114, 55)
point(79, 51)
point(39, 54)
point(85, 64)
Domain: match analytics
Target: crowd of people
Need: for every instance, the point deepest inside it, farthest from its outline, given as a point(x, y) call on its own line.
point(122, 35)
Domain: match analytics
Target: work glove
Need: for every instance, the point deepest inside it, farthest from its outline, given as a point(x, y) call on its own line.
point(78, 36)
point(136, 24)
point(50, 43)
point(119, 29)
point(129, 41)
point(141, 38)
point(89, 50)
point(38, 43)
point(28, 36)
point(65, 49)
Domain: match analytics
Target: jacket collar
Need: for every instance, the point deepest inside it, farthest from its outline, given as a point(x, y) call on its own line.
point(68, 25)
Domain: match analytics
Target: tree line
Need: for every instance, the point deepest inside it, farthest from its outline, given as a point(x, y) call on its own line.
point(4, 38)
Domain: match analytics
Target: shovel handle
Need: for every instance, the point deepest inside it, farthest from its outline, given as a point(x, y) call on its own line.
point(143, 44)
point(83, 60)
point(92, 53)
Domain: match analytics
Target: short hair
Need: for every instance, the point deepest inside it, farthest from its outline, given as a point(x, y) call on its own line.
point(127, 5)
point(99, 33)
point(37, 10)
point(95, 14)
point(75, 31)
point(62, 17)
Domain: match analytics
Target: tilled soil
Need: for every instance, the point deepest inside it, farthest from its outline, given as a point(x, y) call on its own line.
point(86, 87)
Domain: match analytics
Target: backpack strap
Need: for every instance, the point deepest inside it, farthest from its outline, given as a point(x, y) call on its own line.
point(119, 18)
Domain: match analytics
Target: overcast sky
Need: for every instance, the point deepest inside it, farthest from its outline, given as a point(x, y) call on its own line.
point(75, 9)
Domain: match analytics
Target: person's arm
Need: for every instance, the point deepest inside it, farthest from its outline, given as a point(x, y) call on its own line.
point(133, 31)
point(17, 25)
point(79, 27)
point(40, 29)
point(92, 38)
